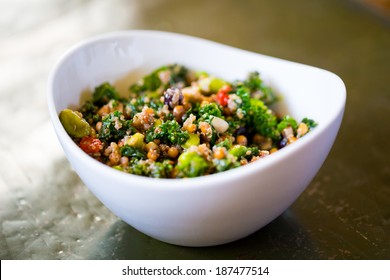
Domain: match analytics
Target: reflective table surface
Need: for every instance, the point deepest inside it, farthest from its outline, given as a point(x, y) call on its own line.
point(46, 212)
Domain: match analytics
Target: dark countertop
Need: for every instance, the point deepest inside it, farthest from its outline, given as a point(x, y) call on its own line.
point(46, 212)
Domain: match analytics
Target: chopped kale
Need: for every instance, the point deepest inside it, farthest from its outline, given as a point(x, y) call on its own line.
point(227, 143)
point(240, 152)
point(309, 122)
point(287, 121)
point(178, 74)
point(136, 105)
point(168, 132)
point(161, 169)
point(257, 115)
point(104, 93)
point(208, 111)
point(138, 167)
point(133, 152)
point(258, 88)
point(150, 169)
point(263, 119)
point(152, 82)
point(114, 127)
point(89, 111)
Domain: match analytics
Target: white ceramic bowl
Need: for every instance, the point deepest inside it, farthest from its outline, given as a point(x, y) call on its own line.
point(213, 209)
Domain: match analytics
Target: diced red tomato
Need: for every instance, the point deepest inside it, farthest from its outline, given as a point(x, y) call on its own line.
point(90, 145)
point(223, 96)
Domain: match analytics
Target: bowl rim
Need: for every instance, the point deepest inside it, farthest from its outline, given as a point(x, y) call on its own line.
point(181, 183)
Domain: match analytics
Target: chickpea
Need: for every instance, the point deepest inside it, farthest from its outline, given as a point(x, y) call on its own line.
point(258, 139)
point(187, 106)
point(204, 127)
point(291, 139)
point(153, 155)
point(219, 153)
point(263, 142)
point(173, 152)
point(241, 140)
point(178, 112)
point(114, 157)
point(98, 126)
point(104, 110)
point(191, 128)
point(151, 146)
point(302, 130)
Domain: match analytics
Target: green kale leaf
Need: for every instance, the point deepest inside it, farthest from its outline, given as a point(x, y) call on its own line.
point(104, 93)
point(208, 111)
point(263, 120)
point(152, 82)
point(309, 122)
point(168, 132)
point(114, 127)
point(132, 152)
point(258, 88)
point(89, 111)
point(287, 121)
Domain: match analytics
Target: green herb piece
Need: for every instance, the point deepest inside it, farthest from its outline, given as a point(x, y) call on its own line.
point(168, 132)
point(208, 111)
point(132, 152)
point(258, 88)
point(152, 82)
point(287, 121)
point(161, 169)
point(114, 127)
point(263, 119)
point(104, 93)
point(309, 122)
point(227, 143)
point(89, 111)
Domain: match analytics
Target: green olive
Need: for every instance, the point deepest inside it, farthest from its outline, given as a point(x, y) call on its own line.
point(74, 124)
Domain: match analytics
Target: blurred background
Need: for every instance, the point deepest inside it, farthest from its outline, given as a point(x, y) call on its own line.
point(46, 212)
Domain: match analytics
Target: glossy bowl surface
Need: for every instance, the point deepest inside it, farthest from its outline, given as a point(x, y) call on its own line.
point(213, 209)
